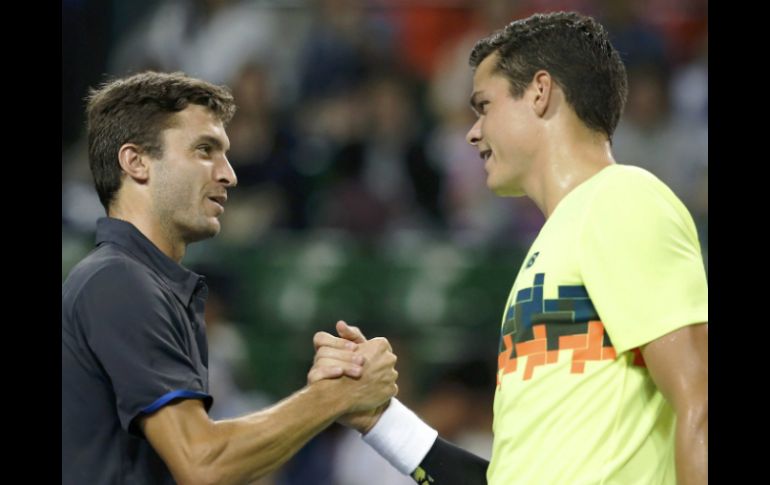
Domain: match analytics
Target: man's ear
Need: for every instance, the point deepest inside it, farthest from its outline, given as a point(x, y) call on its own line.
point(134, 162)
point(543, 85)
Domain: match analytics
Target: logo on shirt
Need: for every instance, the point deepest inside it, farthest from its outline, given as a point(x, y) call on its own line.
point(531, 260)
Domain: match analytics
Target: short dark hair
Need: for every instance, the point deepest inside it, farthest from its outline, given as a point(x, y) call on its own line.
point(576, 52)
point(136, 109)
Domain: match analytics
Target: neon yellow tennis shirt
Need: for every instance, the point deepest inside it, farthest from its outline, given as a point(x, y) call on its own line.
point(617, 264)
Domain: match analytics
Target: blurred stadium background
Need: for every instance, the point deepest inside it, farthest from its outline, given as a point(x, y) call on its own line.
point(358, 196)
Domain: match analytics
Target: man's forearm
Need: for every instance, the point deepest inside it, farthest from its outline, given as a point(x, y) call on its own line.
point(199, 450)
point(244, 449)
point(692, 447)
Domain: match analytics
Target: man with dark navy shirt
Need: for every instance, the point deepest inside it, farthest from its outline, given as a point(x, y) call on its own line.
point(134, 353)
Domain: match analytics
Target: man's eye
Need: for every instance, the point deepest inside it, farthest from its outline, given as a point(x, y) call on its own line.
point(205, 149)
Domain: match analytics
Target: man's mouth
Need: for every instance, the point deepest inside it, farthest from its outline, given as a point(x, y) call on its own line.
point(219, 199)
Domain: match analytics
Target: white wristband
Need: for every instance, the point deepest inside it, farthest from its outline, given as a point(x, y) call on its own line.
point(401, 437)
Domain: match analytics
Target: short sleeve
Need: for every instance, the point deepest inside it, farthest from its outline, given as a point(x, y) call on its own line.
point(641, 261)
point(137, 334)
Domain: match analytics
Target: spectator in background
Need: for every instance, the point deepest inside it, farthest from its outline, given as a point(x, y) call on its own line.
point(473, 214)
point(652, 136)
point(384, 179)
point(273, 192)
point(209, 39)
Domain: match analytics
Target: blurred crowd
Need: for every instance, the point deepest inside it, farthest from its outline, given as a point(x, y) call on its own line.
point(351, 119)
point(352, 114)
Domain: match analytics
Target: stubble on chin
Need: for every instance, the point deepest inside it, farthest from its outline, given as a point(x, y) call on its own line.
point(203, 229)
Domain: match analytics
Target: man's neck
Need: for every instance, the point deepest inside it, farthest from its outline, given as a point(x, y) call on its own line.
point(153, 231)
point(561, 168)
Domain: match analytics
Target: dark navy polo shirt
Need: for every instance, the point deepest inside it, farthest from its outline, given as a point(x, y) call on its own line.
point(133, 340)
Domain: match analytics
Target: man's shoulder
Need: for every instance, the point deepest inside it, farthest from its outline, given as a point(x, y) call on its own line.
point(105, 266)
point(630, 199)
point(622, 175)
point(629, 184)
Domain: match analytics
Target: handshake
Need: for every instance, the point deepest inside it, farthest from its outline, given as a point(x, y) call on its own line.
point(361, 373)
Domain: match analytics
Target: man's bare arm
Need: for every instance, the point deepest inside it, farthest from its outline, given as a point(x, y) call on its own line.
point(198, 450)
point(678, 364)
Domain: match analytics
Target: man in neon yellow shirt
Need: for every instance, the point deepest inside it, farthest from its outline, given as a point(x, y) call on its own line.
point(602, 364)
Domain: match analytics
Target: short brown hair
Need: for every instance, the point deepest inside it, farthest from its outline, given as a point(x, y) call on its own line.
point(576, 51)
point(136, 109)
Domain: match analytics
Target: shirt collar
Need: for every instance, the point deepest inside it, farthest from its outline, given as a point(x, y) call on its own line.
point(181, 280)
